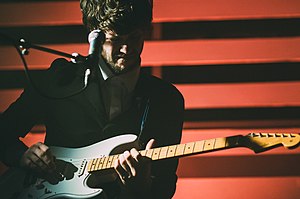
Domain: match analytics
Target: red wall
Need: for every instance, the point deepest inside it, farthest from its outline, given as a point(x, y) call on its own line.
point(251, 84)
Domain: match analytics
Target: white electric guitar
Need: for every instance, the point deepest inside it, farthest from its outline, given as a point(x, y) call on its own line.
point(85, 168)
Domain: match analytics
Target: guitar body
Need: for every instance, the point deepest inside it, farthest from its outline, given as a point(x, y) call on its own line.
point(72, 163)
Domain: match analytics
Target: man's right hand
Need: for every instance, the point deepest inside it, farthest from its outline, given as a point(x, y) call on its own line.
point(40, 160)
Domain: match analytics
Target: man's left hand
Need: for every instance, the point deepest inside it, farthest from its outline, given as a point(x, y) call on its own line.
point(134, 170)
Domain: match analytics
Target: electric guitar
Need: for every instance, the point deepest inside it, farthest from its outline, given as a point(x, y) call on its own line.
point(84, 168)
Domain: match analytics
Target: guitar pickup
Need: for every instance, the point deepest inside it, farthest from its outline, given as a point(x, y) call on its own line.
point(82, 168)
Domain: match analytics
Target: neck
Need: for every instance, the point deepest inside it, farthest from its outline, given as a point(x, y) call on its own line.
point(172, 151)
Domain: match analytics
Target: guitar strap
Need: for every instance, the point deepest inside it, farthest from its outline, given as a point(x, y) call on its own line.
point(141, 141)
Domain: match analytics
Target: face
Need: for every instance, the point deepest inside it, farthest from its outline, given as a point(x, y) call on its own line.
point(122, 52)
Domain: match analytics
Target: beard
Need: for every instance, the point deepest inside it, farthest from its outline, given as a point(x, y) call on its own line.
point(121, 65)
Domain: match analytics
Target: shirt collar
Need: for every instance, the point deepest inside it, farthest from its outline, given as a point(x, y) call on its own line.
point(129, 79)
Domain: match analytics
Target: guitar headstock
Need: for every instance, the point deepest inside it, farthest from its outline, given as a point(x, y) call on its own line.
point(260, 142)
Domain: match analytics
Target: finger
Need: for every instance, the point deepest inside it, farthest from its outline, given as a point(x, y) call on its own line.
point(35, 158)
point(150, 144)
point(33, 166)
point(116, 166)
point(136, 155)
point(133, 161)
point(120, 171)
point(28, 163)
point(125, 160)
point(46, 156)
point(122, 167)
point(41, 168)
point(32, 156)
point(26, 160)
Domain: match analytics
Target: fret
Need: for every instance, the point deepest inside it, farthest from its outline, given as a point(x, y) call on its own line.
point(180, 149)
point(149, 153)
point(163, 152)
point(97, 164)
point(171, 151)
point(189, 148)
point(209, 144)
point(110, 161)
point(100, 164)
point(105, 162)
point(155, 154)
point(115, 158)
point(220, 143)
point(89, 165)
point(143, 152)
point(198, 146)
point(93, 164)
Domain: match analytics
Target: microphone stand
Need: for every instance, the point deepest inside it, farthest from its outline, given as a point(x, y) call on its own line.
point(25, 46)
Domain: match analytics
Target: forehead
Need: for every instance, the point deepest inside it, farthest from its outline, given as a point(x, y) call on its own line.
point(134, 33)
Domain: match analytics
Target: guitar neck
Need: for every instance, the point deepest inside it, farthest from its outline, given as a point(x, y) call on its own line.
point(192, 148)
point(173, 151)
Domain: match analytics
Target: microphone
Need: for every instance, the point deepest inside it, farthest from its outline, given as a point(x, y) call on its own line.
point(95, 38)
point(65, 79)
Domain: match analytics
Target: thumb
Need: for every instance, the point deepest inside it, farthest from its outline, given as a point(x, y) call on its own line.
point(150, 144)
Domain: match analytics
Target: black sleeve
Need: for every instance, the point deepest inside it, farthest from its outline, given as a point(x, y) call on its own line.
point(166, 113)
point(28, 110)
point(16, 122)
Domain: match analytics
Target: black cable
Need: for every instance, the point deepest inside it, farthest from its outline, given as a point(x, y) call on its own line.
point(29, 78)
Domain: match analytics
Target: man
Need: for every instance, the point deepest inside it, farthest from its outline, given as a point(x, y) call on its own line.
point(117, 100)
